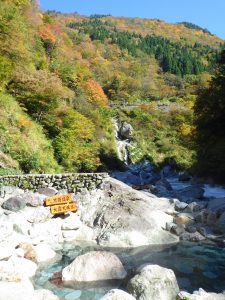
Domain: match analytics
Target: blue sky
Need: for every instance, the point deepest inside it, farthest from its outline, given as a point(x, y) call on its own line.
point(208, 14)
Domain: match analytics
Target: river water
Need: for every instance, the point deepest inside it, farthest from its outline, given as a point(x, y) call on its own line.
point(195, 265)
point(214, 191)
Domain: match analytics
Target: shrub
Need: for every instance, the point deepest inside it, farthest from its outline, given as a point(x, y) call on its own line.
point(75, 145)
point(25, 144)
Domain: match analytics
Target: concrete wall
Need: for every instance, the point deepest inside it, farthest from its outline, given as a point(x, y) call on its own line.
point(71, 182)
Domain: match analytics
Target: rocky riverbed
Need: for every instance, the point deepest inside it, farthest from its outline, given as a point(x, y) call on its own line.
point(114, 216)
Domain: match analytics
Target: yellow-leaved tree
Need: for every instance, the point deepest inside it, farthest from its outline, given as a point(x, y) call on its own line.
point(76, 148)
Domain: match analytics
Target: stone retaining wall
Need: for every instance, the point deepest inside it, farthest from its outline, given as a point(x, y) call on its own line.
point(71, 182)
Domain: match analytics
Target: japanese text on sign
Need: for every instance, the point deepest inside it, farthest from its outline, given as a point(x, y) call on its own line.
point(58, 209)
point(58, 199)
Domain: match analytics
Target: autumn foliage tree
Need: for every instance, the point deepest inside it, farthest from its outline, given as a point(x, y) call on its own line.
point(63, 70)
point(40, 92)
point(95, 93)
point(75, 145)
point(48, 38)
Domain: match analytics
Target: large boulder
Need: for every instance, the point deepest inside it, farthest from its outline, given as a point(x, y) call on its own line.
point(94, 266)
point(116, 294)
point(10, 191)
point(48, 232)
point(193, 237)
point(38, 214)
point(124, 217)
point(155, 283)
point(190, 193)
point(47, 191)
point(28, 250)
point(163, 188)
point(19, 223)
point(34, 199)
point(44, 253)
point(15, 203)
point(84, 233)
point(126, 131)
point(193, 207)
point(184, 219)
point(20, 290)
point(137, 175)
point(163, 183)
point(16, 269)
point(72, 222)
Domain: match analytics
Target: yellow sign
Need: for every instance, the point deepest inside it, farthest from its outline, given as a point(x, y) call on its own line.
point(58, 199)
point(58, 209)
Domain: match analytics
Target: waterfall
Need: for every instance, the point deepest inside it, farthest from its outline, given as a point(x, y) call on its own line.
point(122, 144)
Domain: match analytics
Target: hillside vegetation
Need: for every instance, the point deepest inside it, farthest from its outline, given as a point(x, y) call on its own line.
point(210, 126)
point(64, 76)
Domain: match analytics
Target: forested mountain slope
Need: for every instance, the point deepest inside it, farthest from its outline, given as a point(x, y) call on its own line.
point(188, 32)
point(63, 73)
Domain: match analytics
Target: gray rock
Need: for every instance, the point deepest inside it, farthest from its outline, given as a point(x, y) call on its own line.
point(192, 237)
point(124, 217)
point(44, 253)
point(155, 283)
point(180, 206)
point(191, 229)
point(191, 192)
point(177, 229)
point(137, 175)
point(211, 218)
point(10, 191)
point(164, 183)
point(38, 215)
point(71, 222)
point(184, 219)
point(34, 199)
point(168, 171)
point(47, 191)
point(184, 176)
point(201, 217)
point(16, 267)
point(169, 226)
point(14, 203)
point(94, 266)
point(48, 232)
point(200, 295)
point(192, 207)
point(116, 294)
point(126, 131)
point(205, 231)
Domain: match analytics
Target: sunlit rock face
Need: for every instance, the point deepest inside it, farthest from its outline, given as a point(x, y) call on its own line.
point(123, 217)
point(155, 283)
point(94, 266)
